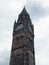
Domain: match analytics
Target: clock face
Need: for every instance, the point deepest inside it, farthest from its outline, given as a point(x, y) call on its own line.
point(20, 26)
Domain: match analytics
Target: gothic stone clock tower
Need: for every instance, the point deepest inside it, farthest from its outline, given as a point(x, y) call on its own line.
point(22, 52)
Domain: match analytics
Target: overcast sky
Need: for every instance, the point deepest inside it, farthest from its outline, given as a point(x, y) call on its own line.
point(39, 14)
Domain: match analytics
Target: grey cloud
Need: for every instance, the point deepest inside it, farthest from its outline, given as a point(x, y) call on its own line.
point(7, 9)
point(5, 56)
point(36, 10)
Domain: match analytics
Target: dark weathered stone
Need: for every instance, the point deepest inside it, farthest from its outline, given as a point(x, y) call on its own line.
point(22, 52)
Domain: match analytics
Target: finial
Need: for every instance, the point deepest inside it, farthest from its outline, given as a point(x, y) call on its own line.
point(15, 22)
point(24, 10)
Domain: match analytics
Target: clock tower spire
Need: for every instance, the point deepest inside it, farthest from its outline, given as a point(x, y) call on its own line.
point(22, 52)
